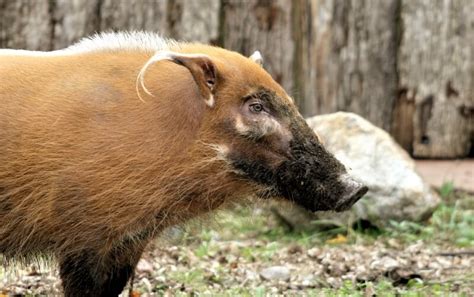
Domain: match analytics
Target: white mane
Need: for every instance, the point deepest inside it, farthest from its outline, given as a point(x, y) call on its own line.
point(110, 42)
point(123, 41)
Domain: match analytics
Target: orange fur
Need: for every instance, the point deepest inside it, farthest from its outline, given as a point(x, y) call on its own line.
point(85, 163)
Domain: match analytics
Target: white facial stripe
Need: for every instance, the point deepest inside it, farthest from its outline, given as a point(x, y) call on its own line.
point(270, 126)
point(221, 150)
point(265, 126)
point(240, 126)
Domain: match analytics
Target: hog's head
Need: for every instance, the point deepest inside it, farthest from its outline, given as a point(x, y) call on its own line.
point(259, 132)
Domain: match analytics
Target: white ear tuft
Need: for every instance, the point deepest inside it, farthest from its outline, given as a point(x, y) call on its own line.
point(257, 58)
point(201, 67)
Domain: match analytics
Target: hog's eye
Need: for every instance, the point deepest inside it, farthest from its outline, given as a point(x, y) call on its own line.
point(256, 107)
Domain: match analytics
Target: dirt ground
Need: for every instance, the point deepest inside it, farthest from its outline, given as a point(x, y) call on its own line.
point(437, 172)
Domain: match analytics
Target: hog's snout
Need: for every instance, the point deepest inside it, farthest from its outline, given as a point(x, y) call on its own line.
point(352, 192)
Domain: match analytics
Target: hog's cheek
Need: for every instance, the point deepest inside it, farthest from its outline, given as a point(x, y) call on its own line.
point(299, 183)
point(252, 167)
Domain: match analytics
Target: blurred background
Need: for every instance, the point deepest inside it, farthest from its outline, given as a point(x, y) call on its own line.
point(407, 66)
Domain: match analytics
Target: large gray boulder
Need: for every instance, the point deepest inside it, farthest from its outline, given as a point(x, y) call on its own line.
point(396, 190)
point(370, 154)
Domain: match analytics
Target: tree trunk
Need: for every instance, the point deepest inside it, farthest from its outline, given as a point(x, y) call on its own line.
point(264, 26)
point(26, 24)
point(192, 20)
point(436, 65)
point(133, 15)
point(73, 20)
point(355, 50)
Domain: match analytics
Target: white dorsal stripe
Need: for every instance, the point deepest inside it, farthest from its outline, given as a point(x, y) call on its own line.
point(123, 41)
point(109, 42)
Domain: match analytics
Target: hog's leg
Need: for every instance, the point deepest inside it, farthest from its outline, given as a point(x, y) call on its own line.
point(83, 275)
point(76, 275)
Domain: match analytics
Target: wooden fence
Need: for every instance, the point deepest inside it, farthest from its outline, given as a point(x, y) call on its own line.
point(405, 65)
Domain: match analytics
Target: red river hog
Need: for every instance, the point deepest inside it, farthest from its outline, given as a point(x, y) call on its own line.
point(107, 142)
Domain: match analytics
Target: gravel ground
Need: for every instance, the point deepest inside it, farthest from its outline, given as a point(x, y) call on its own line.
point(294, 270)
point(245, 267)
point(246, 252)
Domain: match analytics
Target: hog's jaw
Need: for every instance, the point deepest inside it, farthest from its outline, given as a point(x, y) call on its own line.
point(309, 175)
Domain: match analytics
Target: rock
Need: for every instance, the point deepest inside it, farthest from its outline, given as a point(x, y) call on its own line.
point(307, 280)
point(144, 266)
point(250, 275)
point(145, 283)
point(396, 191)
point(280, 273)
point(385, 264)
point(313, 252)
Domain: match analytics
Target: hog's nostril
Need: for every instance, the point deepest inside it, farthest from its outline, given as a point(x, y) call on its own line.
point(352, 193)
point(358, 193)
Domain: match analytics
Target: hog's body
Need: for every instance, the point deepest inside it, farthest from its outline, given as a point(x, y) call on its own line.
point(96, 156)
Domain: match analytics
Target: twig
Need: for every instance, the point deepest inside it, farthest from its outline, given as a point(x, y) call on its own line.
point(453, 254)
point(132, 280)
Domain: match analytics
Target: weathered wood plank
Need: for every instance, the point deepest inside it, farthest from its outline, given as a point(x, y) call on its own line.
point(265, 26)
point(72, 20)
point(25, 24)
point(355, 48)
point(436, 64)
point(192, 20)
point(134, 15)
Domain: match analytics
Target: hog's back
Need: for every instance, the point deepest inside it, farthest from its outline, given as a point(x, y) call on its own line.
point(77, 148)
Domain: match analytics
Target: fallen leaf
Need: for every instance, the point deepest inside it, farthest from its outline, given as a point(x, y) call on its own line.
point(339, 239)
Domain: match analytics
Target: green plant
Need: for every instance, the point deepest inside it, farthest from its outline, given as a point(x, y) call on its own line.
point(447, 189)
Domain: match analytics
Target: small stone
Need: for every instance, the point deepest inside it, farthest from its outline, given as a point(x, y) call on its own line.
point(307, 280)
point(276, 273)
point(385, 264)
point(250, 275)
point(144, 266)
point(313, 253)
point(146, 283)
point(334, 282)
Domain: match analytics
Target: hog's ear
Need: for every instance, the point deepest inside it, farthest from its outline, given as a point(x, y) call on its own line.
point(257, 58)
point(201, 67)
